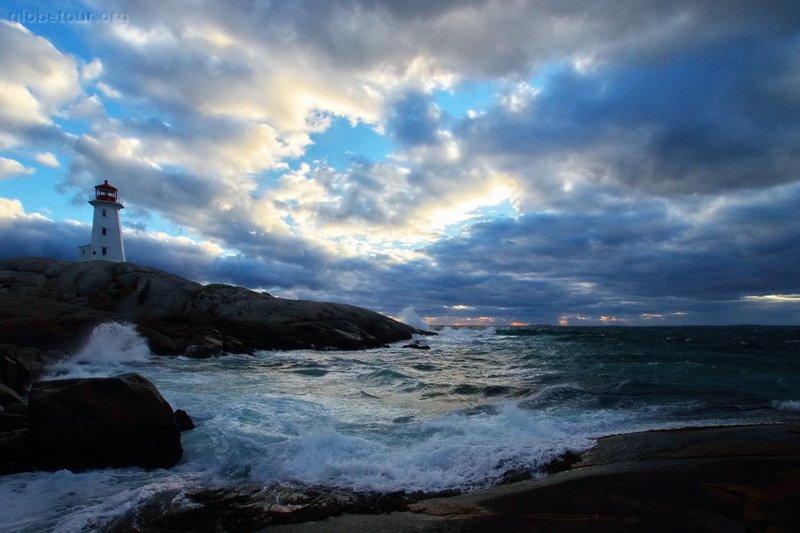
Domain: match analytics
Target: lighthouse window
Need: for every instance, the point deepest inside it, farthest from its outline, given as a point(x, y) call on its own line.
point(103, 231)
point(104, 212)
point(105, 250)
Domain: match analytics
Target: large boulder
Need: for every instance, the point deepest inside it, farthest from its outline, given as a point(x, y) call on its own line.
point(116, 422)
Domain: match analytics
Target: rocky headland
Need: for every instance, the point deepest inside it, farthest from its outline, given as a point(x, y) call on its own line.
point(49, 307)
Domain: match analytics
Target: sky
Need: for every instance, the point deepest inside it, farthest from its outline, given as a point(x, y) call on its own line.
point(468, 162)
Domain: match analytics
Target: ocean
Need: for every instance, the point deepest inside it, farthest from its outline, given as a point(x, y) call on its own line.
point(479, 404)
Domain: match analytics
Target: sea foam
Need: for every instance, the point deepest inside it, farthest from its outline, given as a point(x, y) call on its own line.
point(110, 345)
point(409, 316)
point(458, 450)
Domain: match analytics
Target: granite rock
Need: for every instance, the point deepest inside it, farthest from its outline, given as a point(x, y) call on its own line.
point(47, 304)
point(85, 423)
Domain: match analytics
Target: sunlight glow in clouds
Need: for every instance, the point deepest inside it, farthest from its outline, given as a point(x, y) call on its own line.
point(795, 298)
point(531, 162)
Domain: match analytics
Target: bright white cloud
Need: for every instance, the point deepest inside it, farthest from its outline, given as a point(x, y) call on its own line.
point(11, 209)
point(92, 70)
point(12, 167)
point(18, 106)
point(36, 80)
point(47, 159)
point(207, 248)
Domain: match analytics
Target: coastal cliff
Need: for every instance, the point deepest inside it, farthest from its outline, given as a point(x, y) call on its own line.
point(49, 306)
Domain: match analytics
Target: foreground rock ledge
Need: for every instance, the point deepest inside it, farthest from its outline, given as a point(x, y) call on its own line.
point(50, 304)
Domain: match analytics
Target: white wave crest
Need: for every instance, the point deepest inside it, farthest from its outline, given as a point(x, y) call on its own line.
point(409, 316)
point(110, 344)
point(114, 343)
point(452, 451)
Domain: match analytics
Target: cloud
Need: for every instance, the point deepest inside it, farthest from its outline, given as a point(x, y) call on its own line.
point(622, 170)
point(225, 107)
point(415, 119)
point(703, 123)
point(629, 259)
point(23, 233)
point(36, 80)
point(780, 298)
point(92, 70)
point(47, 159)
point(12, 167)
point(10, 209)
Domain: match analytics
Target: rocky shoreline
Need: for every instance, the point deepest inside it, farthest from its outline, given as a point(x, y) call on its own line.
point(734, 478)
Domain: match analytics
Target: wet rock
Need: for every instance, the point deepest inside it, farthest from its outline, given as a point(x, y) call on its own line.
point(17, 409)
point(249, 508)
point(8, 396)
point(12, 421)
point(30, 362)
point(89, 423)
point(13, 374)
point(14, 451)
point(183, 420)
point(417, 346)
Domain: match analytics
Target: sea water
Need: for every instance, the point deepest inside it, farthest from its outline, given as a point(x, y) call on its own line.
point(480, 403)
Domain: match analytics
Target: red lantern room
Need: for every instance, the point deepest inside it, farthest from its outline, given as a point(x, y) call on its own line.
point(105, 192)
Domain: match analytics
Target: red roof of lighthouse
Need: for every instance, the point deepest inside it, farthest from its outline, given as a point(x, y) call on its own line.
point(105, 186)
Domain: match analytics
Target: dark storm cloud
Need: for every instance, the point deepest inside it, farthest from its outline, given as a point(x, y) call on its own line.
point(719, 119)
point(478, 37)
point(40, 237)
point(628, 260)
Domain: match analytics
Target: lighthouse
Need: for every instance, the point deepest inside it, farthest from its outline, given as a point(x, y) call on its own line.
point(106, 232)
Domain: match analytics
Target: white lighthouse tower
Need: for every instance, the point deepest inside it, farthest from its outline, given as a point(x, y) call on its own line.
point(106, 232)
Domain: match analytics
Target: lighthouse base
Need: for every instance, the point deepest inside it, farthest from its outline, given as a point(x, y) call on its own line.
point(85, 252)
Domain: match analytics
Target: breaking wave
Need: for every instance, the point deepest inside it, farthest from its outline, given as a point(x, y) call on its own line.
point(110, 345)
